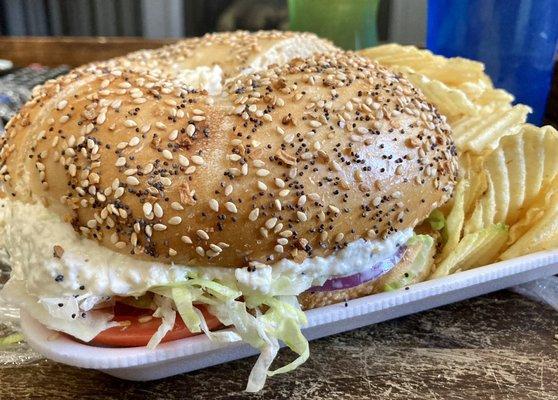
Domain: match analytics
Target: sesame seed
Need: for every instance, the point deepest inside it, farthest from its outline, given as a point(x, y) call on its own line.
point(134, 141)
point(147, 209)
point(62, 104)
point(175, 220)
point(120, 162)
point(262, 186)
point(301, 201)
point(287, 233)
point(376, 201)
point(158, 210)
point(148, 168)
point(214, 205)
point(284, 192)
point(197, 160)
point(283, 241)
point(160, 125)
point(339, 237)
point(202, 234)
point(132, 180)
point(335, 165)
point(301, 216)
point(270, 223)
point(186, 239)
point(278, 248)
point(190, 130)
point(130, 123)
point(262, 172)
point(280, 183)
point(173, 135)
point(315, 124)
point(176, 206)
point(200, 251)
point(172, 252)
point(167, 154)
point(228, 190)
point(231, 207)
point(215, 248)
point(334, 209)
point(118, 192)
point(159, 227)
point(278, 205)
point(183, 160)
point(254, 214)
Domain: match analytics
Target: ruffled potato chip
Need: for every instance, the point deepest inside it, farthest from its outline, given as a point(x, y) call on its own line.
point(475, 249)
point(521, 170)
point(451, 102)
point(481, 133)
point(542, 234)
point(451, 71)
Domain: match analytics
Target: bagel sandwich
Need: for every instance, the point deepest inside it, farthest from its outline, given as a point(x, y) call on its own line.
point(176, 191)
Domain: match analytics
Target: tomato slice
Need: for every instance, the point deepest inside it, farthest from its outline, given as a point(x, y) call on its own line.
point(141, 327)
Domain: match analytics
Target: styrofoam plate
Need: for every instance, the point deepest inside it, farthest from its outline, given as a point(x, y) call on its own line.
point(171, 358)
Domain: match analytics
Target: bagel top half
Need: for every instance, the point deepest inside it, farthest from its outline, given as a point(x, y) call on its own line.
point(293, 161)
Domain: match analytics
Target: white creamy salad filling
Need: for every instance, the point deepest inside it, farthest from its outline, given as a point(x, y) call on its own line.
point(29, 232)
point(208, 78)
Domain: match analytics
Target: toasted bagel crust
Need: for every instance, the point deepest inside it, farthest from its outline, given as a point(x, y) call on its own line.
point(292, 161)
point(232, 51)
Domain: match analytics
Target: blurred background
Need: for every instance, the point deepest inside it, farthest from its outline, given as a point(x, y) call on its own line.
point(515, 39)
point(402, 21)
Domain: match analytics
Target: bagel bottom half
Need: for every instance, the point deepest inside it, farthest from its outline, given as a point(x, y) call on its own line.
point(310, 299)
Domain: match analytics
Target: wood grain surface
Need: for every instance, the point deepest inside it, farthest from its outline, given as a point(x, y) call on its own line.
point(500, 347)
point(72, 51)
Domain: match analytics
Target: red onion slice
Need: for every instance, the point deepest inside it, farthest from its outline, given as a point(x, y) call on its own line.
point(374, 272)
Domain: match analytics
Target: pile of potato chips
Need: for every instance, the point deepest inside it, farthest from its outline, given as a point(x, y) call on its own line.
point(505, 204)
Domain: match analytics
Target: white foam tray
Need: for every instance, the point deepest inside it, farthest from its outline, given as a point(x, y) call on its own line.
point(171, 358)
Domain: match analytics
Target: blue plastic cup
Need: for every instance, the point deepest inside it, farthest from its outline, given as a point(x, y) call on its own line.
point(516, 40)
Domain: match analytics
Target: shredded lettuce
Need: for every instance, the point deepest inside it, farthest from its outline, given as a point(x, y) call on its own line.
point(259, 320)
point(167, 315)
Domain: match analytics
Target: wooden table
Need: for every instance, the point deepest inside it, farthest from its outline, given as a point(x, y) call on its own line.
point(500, 346)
